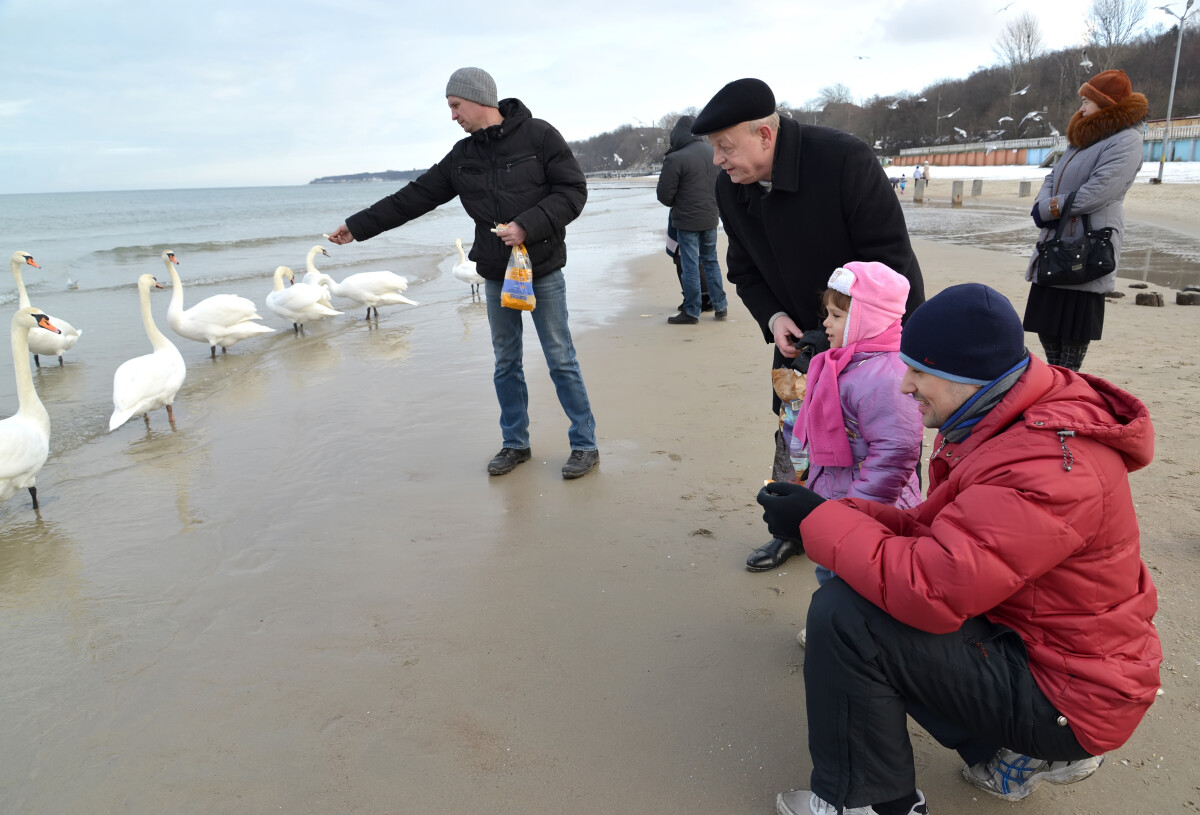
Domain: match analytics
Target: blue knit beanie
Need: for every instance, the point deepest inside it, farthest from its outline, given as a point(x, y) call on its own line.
point(967, 333)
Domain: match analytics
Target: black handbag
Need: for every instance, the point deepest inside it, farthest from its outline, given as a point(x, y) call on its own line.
point(1061, 264)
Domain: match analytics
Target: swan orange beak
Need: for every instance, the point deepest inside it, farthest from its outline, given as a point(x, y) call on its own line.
point(171, 255)
point(44, 322)
point(32, 263)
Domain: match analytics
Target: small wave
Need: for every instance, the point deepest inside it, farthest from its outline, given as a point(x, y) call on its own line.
point(128, 253)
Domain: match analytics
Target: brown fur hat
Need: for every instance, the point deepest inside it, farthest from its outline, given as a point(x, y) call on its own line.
point(1084, 131)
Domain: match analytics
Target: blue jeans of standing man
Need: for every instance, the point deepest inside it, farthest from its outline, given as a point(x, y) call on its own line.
point(550, 319)
point(696, 248)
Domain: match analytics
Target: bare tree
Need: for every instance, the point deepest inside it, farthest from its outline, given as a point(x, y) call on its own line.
point(833, 95)
point(1019, 44)
point(1111, 27)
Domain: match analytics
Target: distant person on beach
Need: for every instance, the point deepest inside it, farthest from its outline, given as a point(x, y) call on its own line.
point(903, 181)
point(856, 435)
point(916, 175)
point(540, 191)
point(797, 201)
point(925, 173)
point(672, 249)
point(1104, 154)
point(687, 185)
point(1010, 613)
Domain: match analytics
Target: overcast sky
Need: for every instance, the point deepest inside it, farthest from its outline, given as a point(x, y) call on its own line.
point(124, 94)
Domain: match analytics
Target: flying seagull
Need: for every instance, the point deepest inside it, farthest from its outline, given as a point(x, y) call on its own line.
point(1086, 64)
point(951, 113)
point(1033, 114)
point(1022, 91)
point(856, 56)
point(894, 105)
point(922, 99)
point(1005, 8)
point(1004, 119)
point(960, 132)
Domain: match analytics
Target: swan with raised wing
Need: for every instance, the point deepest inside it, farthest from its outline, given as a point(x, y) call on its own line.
point(42, 342)
point(299, 303)
point(465, 270)
point(24, 436)
point(223, 319)
point(148, 382)
point(372, 289)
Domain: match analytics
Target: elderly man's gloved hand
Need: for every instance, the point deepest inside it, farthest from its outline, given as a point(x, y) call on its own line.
point(785, 505)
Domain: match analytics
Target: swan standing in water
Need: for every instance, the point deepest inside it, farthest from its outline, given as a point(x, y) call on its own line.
point(151, 381)
point(42, 342)
point(300, 303)
point(315, 277)
point(372, 289)
point(24, 436)
point(465, 270)
point(223, 319)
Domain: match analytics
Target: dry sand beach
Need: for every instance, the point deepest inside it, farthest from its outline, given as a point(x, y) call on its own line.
point(368, 623)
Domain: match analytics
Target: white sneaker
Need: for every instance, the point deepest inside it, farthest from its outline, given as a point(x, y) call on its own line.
point(803, 802)
point(1013, 776)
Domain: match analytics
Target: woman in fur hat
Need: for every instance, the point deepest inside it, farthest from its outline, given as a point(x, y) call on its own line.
point(1103, 157)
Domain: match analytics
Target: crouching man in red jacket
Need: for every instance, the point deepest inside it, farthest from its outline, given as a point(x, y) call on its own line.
point(1010, 613)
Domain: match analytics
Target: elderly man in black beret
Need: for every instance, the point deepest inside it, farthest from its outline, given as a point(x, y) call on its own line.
point(797, 202)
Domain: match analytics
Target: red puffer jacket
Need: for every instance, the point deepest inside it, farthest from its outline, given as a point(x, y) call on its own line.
point(1029, 521)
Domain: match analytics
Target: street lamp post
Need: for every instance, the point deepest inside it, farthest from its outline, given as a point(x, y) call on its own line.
point(1162, 158)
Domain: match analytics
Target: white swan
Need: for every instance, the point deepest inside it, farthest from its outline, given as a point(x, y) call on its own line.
point(315, 277)
point(465, 270)
point(24, 436)
point(372, 289)
point(300, 303)
point(42, 342)
point(151, 381)
point(223, 319)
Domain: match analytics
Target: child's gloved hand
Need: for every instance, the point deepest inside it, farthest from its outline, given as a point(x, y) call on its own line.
point(785, 506)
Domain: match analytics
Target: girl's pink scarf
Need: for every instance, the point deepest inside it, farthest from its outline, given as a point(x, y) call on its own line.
point(819, 423)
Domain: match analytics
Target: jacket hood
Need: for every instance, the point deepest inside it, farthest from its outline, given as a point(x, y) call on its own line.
point(1084, 131)
point(515, 114)
point(681, 133)
point(1053, 399)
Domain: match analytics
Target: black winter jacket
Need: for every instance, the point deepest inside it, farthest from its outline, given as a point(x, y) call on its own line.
point(688, 180)
point(519, 170)
point(830, 203)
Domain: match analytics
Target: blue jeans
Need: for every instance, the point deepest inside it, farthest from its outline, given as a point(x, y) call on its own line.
point(696, 248)
point(550, 320)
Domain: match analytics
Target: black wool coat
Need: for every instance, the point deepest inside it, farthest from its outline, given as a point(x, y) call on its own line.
point(688, 179)
point(830, 203)
point(519, 170)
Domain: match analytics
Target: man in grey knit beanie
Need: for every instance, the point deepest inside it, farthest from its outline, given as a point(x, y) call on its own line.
point(519, 182)
point(474, 85)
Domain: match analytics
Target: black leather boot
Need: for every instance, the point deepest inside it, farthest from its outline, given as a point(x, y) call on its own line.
point(773, 554)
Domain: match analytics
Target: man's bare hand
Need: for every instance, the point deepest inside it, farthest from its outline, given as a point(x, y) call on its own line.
point(787, 334)
point(512, 234)
point(341, 235)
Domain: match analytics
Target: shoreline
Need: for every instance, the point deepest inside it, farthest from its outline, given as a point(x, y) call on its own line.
point(311, 597)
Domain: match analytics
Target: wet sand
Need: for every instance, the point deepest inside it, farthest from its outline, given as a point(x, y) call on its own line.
point(311, 597)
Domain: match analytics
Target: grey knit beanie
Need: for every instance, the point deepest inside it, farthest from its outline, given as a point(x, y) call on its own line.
point(474, 85)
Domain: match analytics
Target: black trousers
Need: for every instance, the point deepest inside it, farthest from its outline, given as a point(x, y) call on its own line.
point(865, 672)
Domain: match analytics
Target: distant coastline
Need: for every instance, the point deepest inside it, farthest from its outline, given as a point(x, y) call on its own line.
point(386, 175)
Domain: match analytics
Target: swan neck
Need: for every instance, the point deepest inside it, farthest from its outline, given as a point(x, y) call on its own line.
point(176, 286)
point(27, 396)
point(22, 296)
point(156, 337)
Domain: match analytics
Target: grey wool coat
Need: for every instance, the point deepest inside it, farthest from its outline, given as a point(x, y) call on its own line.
point(1100, 166)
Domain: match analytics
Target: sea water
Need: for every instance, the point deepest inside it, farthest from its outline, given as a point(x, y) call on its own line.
point(92, 247)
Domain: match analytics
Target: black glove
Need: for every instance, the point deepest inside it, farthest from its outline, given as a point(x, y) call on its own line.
point(785, 506)
point(1037, 219)
point(810, 344)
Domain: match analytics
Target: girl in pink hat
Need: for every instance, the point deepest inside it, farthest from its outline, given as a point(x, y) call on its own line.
point(859, 435)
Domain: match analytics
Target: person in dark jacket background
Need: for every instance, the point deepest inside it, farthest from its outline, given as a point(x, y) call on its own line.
point(515, 174)
point(687, 185)
point(797, 201)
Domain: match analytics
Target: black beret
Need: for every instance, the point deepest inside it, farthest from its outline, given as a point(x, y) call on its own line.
point(743, 100)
